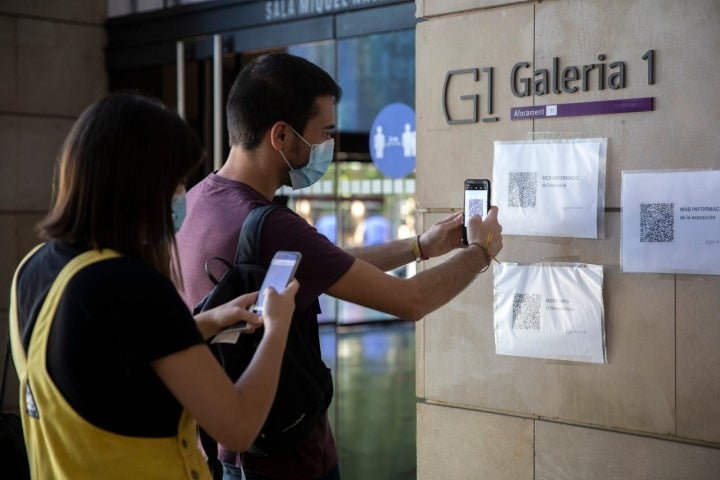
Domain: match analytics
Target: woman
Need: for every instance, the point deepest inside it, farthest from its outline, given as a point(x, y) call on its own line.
point(113, 368)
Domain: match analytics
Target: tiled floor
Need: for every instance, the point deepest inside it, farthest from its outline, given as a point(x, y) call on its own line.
point(373, 411)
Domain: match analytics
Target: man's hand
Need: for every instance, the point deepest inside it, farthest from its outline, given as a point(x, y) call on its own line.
point(486, 232)
point(443, 237)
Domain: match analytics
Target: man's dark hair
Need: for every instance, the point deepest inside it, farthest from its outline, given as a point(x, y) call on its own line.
point(275, 87)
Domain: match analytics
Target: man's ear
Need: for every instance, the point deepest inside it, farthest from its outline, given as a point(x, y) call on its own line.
point(278, 134)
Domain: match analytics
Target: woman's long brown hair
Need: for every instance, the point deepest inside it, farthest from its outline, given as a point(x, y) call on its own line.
point(115, 176)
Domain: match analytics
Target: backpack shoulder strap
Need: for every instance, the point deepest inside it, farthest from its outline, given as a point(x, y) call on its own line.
point(248, 251)
point(249, 240)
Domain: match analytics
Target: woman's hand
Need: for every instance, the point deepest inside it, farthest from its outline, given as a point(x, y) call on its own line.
point(232, 413)
point(279, 307)
point(211, 322)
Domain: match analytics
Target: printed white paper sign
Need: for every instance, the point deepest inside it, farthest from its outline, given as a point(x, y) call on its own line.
point(550, 187)
point(552, 311)
point(671, 221)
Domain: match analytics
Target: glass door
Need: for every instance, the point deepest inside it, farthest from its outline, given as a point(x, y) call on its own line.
point(371, 354)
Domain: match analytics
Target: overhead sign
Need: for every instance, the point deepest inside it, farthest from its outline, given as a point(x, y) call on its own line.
point(392, 140)
point(277, 10)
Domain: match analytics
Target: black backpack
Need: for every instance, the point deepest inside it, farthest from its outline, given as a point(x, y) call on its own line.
point(13, 456)
point(305, 387)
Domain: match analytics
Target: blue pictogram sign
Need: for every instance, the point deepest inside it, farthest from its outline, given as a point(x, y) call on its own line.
point(392, 140)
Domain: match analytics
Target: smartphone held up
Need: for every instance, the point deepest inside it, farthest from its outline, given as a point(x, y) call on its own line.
point(477, 200)
point(282, 269)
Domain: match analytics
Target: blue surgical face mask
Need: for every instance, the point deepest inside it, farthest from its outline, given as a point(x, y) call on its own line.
point(321, 156)
point(177, 204)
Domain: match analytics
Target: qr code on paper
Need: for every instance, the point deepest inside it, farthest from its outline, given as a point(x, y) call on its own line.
point(657, 222)
point(526, 311)
point(476, 207)
point(522, 189)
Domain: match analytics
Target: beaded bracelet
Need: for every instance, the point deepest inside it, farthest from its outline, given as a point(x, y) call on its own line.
point(490, 257)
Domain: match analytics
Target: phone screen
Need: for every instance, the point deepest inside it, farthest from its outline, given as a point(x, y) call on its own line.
point(477, 198)
point(282, 269)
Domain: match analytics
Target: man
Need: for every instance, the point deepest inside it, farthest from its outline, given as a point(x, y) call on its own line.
point(281, 118)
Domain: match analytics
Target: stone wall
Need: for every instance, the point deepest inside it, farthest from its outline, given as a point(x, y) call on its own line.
point(52, 64)
point(652, 410)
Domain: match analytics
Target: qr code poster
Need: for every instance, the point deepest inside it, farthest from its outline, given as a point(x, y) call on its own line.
point(550, 187)
point(552, 310)
point(671, 221)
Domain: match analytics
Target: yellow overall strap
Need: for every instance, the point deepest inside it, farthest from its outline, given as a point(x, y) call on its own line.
point(18, 352)
point(49, 420)
point(77, 263)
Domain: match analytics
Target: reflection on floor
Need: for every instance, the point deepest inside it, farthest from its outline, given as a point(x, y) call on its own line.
point(373, 411)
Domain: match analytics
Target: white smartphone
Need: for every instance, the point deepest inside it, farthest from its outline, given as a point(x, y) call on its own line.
point(281, 271)
point(477, 200)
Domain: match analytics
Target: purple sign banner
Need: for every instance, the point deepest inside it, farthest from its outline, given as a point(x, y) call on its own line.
point(627, 105)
